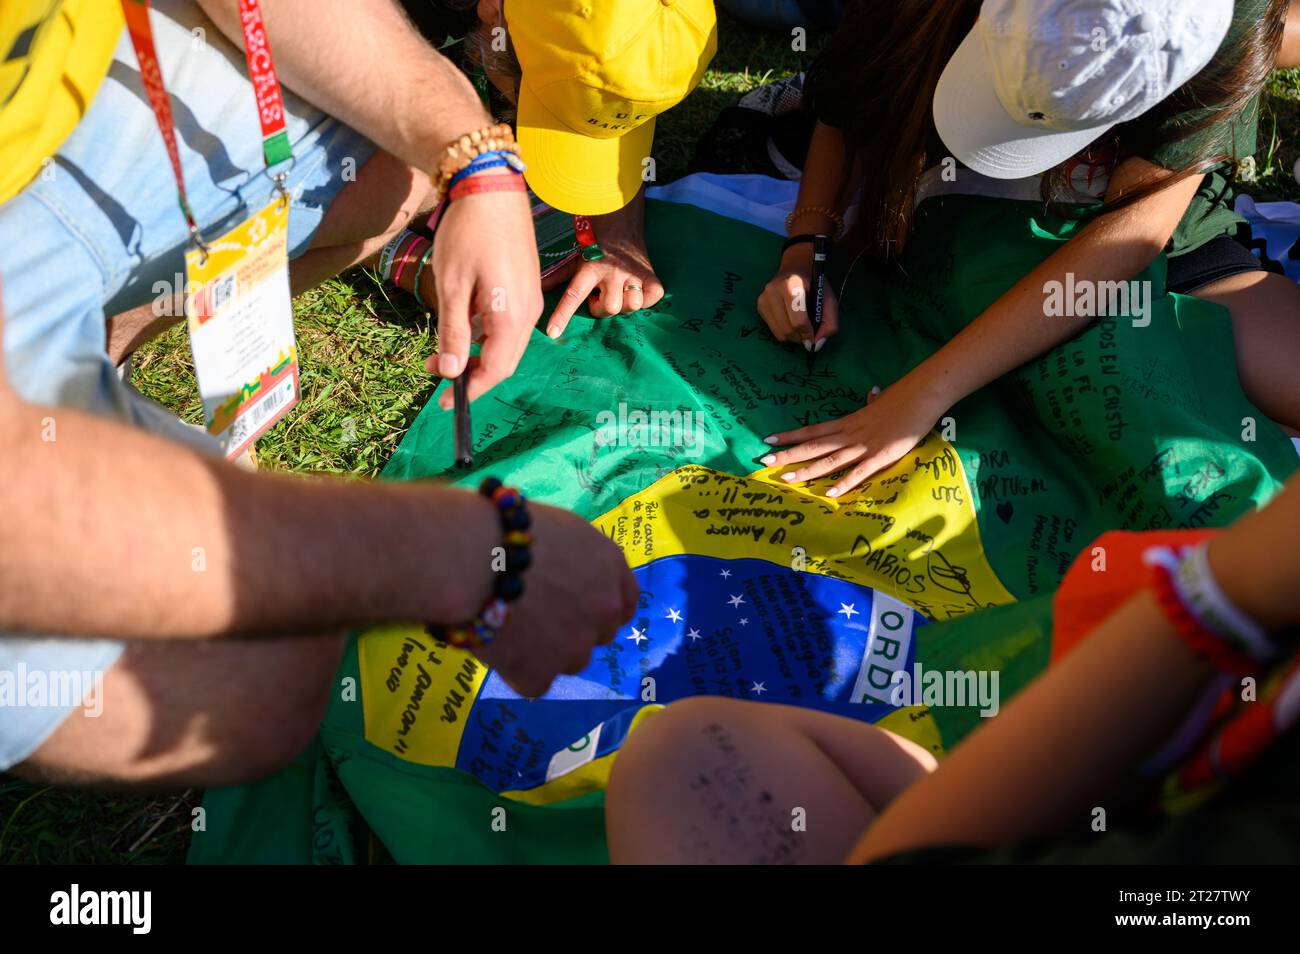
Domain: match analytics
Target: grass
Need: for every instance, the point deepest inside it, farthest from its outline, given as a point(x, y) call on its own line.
point(362, 351)
point(1279, 141)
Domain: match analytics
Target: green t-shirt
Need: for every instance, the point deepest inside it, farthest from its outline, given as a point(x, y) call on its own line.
point(1157, 138)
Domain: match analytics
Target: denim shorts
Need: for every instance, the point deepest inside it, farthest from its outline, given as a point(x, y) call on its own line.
point(99, 231)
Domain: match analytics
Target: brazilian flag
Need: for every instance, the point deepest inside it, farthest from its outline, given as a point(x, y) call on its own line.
point(652, 426)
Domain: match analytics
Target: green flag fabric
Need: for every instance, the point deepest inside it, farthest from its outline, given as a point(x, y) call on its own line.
point(652, 426)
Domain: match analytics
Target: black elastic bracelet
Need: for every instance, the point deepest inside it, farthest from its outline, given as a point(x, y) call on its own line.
point(806, 238)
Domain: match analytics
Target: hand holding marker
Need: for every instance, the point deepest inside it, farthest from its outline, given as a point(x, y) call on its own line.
point(818, 289)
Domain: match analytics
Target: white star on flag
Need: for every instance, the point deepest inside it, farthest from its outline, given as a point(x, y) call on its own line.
point(744, 622)
point(736, 600)
point(758, 688)
point(693, 634)
point(638, 635)
point(847, 610)
point(726, 574)
point(673, 615)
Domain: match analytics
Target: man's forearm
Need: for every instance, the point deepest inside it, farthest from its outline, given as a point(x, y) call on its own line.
point(112, 532)
point(363, 63)
point(1057, 754)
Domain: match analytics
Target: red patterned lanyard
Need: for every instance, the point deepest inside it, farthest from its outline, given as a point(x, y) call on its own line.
point(266, 87)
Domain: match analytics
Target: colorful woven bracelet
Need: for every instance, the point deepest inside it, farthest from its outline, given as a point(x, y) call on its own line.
point(498, 183)
point(509, 585)
point(1205, 642)
point(490, 160)
point(477, 166)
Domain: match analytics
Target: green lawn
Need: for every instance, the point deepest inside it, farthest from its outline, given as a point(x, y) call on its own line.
point(362, 351)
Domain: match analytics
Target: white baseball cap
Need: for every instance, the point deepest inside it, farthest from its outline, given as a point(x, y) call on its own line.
point(1037, 80)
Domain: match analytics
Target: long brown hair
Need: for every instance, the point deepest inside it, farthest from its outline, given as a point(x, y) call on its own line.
point(888, 67)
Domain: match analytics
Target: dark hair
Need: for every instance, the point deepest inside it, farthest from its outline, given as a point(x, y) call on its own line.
point(888, 68)
point(481, 51)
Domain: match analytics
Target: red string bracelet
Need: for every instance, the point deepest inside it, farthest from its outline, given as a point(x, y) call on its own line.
point(404, 258)
point(475, 185)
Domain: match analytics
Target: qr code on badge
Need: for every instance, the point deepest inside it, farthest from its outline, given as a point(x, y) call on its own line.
point(238, 432)
point(223, 289)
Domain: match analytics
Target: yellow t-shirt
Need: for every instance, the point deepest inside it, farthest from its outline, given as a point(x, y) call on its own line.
point(53, 56)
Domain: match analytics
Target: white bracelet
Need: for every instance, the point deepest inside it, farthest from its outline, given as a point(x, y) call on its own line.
point(1199, 591)
point(388, 251)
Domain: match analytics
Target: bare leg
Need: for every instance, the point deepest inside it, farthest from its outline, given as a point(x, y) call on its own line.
point(184, 715)
point(1288, 56)
point(721, 781)
point(365, 214)
point(1266, 330)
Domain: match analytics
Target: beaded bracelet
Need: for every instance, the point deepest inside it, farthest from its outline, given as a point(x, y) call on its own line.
point(803, 210)
point(507, 587)
point(463, 151)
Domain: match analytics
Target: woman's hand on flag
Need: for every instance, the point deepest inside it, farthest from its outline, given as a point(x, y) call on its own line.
point(621, 282)
point(864, 442)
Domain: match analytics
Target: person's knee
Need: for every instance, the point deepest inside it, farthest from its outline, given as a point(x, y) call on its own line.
point(202, 716)
point(385, 197)
point(282, 713)
point(667, 745)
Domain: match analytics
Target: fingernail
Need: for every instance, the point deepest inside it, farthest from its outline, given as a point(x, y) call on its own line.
point(875, 390)
point(770, 440)
point(448, 365)
point(807, 346)
point(818, 345)
point(788, 478)
point(553, 332)
point(833, 492)
point(769, 460)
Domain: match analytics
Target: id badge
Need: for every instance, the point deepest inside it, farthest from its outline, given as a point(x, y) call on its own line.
point(240, 318)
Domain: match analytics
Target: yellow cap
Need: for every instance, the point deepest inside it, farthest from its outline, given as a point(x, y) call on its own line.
point(596, 73)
